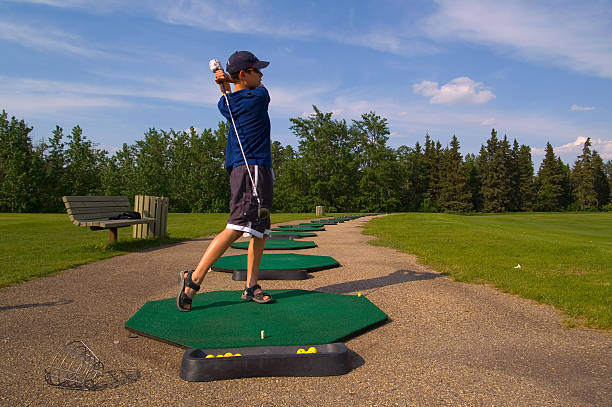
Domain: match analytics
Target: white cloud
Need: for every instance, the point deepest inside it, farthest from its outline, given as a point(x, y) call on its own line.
point(573, 35)
point(388, 41)
point(578, 108)
point(214, 16)
point(47, 39)
point(34, 96)
point(87, 4)
point(461, 90)
point(574, 148)
point(264, 18)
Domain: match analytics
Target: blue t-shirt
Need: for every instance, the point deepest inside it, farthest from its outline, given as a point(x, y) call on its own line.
point(250, 111)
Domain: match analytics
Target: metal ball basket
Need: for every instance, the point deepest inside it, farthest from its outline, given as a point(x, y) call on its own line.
point(75, 367)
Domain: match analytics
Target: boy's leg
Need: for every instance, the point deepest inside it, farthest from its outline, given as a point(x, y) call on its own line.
point(256, 249)
point(215, 249)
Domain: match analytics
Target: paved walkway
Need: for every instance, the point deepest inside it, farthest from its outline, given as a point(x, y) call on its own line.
point(447, 343)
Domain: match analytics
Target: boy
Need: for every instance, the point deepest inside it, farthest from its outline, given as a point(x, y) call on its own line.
point(249, 108)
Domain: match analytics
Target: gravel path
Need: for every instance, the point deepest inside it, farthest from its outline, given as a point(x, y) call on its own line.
point(447, 343)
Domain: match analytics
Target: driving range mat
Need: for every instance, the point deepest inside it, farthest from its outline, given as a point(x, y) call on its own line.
point(220, 319)
point(295, 228)
point(277, 262)
point(279, 244)
point(294, 234)
point(241, 275)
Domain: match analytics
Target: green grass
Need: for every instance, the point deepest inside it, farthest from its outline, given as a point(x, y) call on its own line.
point(34, 245)
point(565, 258)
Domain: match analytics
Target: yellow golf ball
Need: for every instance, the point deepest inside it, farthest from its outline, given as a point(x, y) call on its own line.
point(312, 349)
point(210, 356)
point(237, 354)
point(300, 351)
point(229, 354)
point(220, 356)
point(359, 294)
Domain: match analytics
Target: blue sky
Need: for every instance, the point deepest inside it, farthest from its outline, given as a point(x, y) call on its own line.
point(536, 71)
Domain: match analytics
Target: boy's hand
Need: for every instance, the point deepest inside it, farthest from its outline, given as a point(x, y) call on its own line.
point(221, 77)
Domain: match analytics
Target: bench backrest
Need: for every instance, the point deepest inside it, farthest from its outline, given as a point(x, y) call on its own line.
point(90, 208)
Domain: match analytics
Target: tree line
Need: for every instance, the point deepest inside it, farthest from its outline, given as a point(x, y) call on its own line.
point(348, 167)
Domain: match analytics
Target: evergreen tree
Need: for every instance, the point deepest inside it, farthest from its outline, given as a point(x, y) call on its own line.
point(472, 175)
point(514, 179)
point(550, 184)
point(526, 189)
point(431, 158)
point(494, 175)
point(566, 184)
point(455, 195)
point(608, 172)
point(583, 179)
point(602, 187)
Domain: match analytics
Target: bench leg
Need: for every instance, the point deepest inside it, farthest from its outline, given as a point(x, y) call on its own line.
point(112, 235)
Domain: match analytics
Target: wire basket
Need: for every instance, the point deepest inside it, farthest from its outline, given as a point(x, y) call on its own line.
point(75, 366)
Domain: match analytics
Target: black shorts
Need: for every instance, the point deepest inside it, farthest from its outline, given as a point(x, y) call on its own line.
point(244, 205)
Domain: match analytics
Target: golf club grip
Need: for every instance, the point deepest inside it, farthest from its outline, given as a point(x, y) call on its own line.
point(215, 66)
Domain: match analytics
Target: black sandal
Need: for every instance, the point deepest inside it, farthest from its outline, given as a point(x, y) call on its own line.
point(250, 295)
point(183, 299)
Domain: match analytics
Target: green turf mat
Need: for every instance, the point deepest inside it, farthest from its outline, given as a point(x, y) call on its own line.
point(220, 319)
point(289, 261)
point(300, 226)
point(279, 244)
point(292, 233)
point(316, 225)
point(294, 228)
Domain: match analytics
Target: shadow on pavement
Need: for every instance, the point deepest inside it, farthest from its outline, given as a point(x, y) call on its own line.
point(116, 378)
point(397, 277)
point(35, 305)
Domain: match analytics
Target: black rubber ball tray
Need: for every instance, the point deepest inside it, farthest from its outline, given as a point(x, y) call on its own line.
point(200, 365)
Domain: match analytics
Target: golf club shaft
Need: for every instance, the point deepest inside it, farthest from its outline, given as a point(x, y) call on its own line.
point(240, 145)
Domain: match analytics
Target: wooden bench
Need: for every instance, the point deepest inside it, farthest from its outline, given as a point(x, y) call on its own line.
point(94, 212)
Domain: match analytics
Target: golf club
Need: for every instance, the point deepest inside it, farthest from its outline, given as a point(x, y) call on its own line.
point(262, 213)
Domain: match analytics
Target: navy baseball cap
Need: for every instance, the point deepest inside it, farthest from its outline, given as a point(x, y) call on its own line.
point(243, 60)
